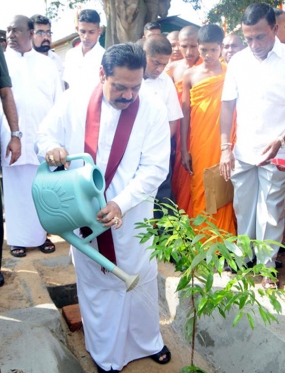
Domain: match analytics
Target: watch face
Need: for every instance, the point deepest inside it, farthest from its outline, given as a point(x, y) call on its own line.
point(18, 134)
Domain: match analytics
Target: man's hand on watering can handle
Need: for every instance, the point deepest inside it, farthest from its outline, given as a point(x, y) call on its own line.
point(57, 157)
point(110, 215)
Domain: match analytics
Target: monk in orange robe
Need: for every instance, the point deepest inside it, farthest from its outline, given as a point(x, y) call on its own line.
point(206, 83)
point(189, 48)
point(176, 54)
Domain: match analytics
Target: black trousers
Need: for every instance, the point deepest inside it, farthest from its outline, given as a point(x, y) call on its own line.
point(1, 227)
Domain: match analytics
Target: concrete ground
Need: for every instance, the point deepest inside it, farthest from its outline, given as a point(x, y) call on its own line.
point(25, 294)
point(26, 283)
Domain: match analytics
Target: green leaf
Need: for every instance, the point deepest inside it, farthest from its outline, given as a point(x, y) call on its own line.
point(192, 369)
point(222, 313)
point(250, 320)
point(184, 281)
point(233, 248)
point(197, 238)
point(209, 282)
point(237, 318)
point(242, 300)
point(276, 305)
point(263, 315)
point(198, 258)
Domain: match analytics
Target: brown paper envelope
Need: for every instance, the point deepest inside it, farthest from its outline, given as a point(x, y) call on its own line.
point(218, 192)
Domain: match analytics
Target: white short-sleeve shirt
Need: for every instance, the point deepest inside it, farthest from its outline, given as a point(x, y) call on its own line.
point(163, 87)
point(83, 70)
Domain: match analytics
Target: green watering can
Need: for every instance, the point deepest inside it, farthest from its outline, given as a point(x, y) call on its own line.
point(70, 199)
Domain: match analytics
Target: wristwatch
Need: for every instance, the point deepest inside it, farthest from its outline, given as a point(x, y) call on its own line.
point(282, 141)
point(17, 134)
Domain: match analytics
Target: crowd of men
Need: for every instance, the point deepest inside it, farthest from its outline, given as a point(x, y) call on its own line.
point(155, 115)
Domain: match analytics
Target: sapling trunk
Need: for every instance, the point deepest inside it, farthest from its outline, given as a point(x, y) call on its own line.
point(194, 320)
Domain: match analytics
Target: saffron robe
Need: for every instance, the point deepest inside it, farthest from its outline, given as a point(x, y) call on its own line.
point(205, 144)
point(181, 179)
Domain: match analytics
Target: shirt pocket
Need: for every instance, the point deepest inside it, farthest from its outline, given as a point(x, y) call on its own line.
point(275, 92)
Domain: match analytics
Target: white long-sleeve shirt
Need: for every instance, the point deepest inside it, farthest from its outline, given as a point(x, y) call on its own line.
point(36, 87)
point(259, 90)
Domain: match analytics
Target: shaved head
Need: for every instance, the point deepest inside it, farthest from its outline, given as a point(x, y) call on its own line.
point(173, 35)
point(188, 31)
point(173, 39)
point(232, 44)
point(188, 44)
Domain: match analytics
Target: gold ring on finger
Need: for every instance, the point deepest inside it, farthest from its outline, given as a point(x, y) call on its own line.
point(116, 220)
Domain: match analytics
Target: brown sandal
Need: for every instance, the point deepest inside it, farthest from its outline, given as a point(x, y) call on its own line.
point(268, 283)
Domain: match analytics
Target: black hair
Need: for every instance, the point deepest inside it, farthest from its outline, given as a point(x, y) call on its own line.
point(278, 12)
point(40, 20)
point(89, 16)
point(129, 55)
point(210, 34)
point(152, 26)
point(157, 44)
point(257, 11)
point(140, 42)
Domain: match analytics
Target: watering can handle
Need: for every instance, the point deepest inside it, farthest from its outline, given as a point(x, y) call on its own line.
point(85, 156)
point(89, 160)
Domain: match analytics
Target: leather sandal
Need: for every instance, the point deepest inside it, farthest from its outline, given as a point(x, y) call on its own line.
point(165, 351)
point(47, 247)
point(268, 283)
point(18, 251)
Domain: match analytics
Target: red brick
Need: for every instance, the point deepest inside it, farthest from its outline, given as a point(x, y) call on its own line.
point(72, 316)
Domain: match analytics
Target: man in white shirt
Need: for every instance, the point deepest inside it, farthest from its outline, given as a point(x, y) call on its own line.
point(254, 86)
point(156, 82)
point(232, 44)
point(82, 63)
point(42, 41)
point(113, 328)
point(36, 87)
point(151, 28)
point(280, 21)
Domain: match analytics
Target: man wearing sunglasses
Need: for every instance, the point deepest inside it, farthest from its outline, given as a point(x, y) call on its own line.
point(42, 41)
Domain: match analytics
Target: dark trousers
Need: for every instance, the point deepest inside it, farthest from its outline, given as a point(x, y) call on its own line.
point(1, 227)
point(164, 193)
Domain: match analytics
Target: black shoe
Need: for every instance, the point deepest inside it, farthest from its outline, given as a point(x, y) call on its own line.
point(1, 279)
point(101, 370)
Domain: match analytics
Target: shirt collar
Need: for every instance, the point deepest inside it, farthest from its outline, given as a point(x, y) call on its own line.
point(277, 48)
point(26, 54)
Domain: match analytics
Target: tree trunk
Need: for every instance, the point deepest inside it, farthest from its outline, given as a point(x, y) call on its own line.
point(126, 18)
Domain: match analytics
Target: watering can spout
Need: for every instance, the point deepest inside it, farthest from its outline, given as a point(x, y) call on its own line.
point(70, 199)
point(130, 280)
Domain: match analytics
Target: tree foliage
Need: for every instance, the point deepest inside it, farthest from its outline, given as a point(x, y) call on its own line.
point(200, 251)
point(228, 13)
point(55, 7)
point(232, 10)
